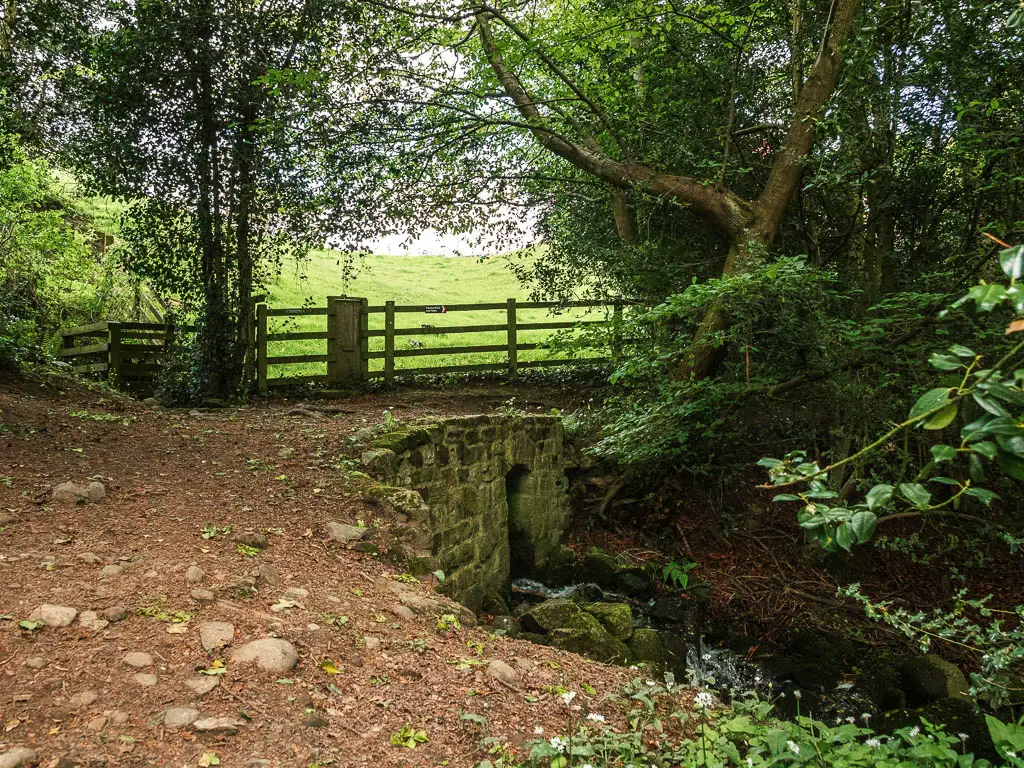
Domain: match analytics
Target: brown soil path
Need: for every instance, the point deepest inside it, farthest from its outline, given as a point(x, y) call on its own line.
point(68, 693)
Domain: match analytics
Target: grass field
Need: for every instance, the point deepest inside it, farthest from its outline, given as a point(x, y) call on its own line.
point(409, 280)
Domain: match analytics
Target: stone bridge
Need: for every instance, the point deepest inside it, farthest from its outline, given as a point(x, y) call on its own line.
point(493, 498)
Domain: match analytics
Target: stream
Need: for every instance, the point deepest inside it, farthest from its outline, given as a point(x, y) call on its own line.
point(702, 660)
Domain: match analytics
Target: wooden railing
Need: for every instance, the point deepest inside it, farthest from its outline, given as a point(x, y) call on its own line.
point(347, 336)
point(121, 352)
point(135, 352)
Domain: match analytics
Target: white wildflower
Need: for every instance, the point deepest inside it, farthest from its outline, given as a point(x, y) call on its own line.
point(537, 731)
point(915, 732)
point(568, 696)
point(558, 743)
point(650, 683)
point(851, 719)
point(703, 700)
point(962, 736)
point(750, 762)
point(793, 747)
point(1011, 754)
point(595, 717)
point(797, 695)
point(873, 743)
point(865, 716)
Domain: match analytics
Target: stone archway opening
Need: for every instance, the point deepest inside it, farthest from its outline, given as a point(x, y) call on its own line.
point(521, 546)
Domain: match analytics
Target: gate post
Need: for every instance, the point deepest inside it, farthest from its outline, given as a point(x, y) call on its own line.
point(513, 341)
point(114, 353)
point(261, 349)
point(345, 362)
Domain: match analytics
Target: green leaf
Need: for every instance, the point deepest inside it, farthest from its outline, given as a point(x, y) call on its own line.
point(1011, 465)
point(863, 525)
point(961, 351)
point(879, 496)
point(943, 418)
point(1004, 393)
point(945, 481)
point(916, 494)
point(1012, 261)
point(930, 400)
point(786, 497)
point(989, 405)
point(769, 463)
point(983, 495)
point(943, 453)
point(986, 448)
point(845, 536)
point(944, 362)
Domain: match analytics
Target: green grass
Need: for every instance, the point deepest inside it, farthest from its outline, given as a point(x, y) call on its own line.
point(409, 280)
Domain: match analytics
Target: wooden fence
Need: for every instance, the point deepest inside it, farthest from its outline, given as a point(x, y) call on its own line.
point(134, 352)
point(127, 353)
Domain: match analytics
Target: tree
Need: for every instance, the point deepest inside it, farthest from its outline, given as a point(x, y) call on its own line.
point(173, 106)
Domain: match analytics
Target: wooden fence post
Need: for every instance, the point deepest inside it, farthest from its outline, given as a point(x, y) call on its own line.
point(513, 351)
point(345, 340)
point(113, 352)
point(261, 349)
point(389, 343)
point(364, 338)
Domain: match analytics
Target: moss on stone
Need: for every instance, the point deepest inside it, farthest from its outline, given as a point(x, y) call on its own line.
point(585, 635)
point(550, 615)
point(645, 645)
point(617, 618)
point(404, 439)
point(930, 678)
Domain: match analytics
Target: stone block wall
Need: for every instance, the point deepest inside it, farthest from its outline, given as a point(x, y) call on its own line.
point(495, 491)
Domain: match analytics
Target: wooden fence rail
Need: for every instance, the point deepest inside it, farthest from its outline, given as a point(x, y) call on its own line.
point(134, 352)
point(347, 354)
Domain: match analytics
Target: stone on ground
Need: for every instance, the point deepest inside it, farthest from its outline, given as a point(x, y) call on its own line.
point(202, 684)
point(83, 699)
point(344, 533)
point(145, 680)
point(216, 634)
point(75, 493)
point(216, 726)
point(35, 662)
point(96, 724)
point(115, 613)
point(180, 717)
point(296, 593)
point(17, 757)
point(138, 659)
point(250, 539)
point(111, 571)
point(54, 615)
point(929, 678)
point(269, 576)
point(269, 654)
point(502, 672)
point(92, 621)
point(203, 595)
point(194, 575)
point(90, 557)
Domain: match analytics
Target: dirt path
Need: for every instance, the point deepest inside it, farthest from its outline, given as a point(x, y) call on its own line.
point(143, 581)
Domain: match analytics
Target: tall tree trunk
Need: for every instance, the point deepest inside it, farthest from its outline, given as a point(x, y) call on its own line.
point(245, 150)
point(217, 330)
